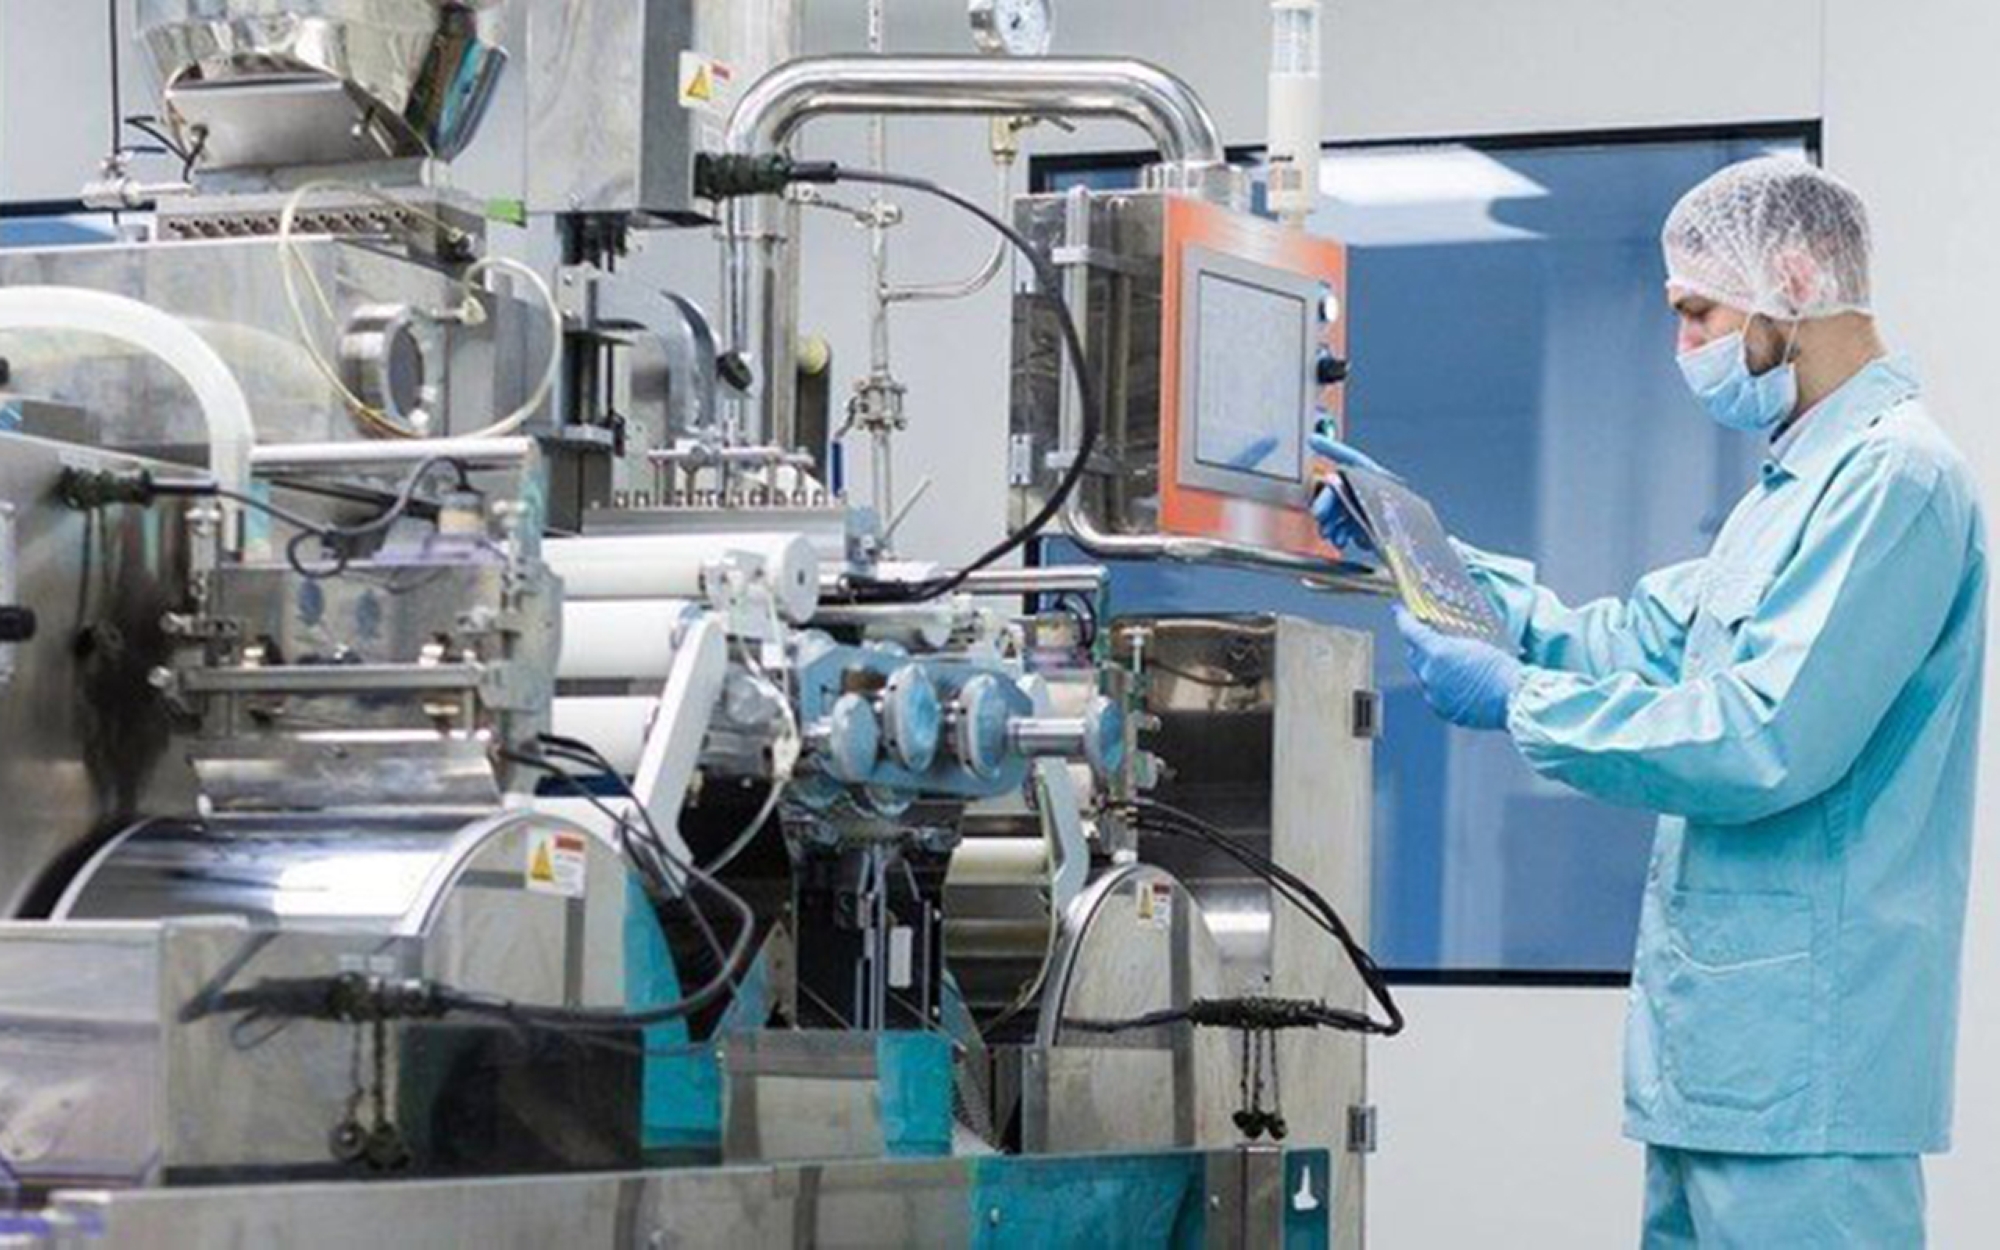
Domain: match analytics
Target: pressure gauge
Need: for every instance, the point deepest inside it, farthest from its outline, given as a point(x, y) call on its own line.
point(1013, 27)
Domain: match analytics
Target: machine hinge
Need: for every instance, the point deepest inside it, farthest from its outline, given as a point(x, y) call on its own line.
point(1361, 1137)
point(1367, 714)
point(1101, 258)
point(1021, 460)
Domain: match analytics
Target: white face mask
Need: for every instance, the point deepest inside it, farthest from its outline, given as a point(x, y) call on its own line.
point(1719, 375)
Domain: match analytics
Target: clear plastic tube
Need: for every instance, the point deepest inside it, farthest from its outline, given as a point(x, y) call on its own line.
point(225, 409)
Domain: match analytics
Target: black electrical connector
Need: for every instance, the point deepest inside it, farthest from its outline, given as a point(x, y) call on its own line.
point(720, 176)
point(350, 998)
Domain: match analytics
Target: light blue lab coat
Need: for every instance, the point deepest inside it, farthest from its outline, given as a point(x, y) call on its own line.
point(1802, 707)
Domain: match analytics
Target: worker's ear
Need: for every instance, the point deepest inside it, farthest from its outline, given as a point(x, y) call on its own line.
point(1799, 277)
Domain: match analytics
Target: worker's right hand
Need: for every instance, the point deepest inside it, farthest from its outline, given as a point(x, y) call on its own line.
point(1336, 524)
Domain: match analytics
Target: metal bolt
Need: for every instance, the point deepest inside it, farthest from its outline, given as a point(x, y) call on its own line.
point(993, 1217)
point(1215, 1202)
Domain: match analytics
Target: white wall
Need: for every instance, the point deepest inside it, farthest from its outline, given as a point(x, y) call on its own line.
point(55, 96)
point(1911, 104)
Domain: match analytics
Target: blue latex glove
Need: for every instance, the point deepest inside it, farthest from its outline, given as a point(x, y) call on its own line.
point(1466, 681)
point(1336, 524)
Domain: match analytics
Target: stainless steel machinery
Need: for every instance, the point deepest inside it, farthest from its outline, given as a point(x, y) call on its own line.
point(469, 777)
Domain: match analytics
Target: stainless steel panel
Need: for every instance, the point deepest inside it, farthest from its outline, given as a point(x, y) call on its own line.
point(398, 679)
point(1135, 941)
point(315, 82)
point(231, 293)
point(1258, 729)
point(113, 1068)
point(801, 1095)
point(941, 1203)
point(417, 768)
point(84, 737)
point(1119, 241)
point(1322, 823)
point(607, 129)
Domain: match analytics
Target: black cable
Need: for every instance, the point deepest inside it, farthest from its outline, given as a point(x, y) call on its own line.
point(150, 126)
point(355, 997)
point(649, 854)
point(1156, 817)
point(592, 1018)
point(1296, 891)
point(1249, 1015)
point(1084, 608)
point(1049, 279)
point(645, 859)
point(339, 540)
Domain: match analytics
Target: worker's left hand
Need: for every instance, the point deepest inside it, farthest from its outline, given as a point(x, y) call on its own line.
point(1336, 524)
point(1465, 681)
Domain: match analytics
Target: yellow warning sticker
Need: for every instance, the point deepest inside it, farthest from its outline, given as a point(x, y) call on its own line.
point(557, 863)
point(707, 86)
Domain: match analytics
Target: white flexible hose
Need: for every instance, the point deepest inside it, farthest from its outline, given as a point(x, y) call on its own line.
point(551, 372)
point(224, 408)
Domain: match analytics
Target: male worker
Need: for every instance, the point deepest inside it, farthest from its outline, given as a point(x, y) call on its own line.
point(1802, 709)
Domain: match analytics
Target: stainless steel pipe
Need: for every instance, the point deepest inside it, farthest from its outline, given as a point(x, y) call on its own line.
point(760, 305)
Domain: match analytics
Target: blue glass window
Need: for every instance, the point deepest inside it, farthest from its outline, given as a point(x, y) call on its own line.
point(55, 229)
point(1514, 359)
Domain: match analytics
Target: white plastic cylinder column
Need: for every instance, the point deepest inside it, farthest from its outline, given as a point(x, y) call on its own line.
point(620, 639)
point(1294, 109)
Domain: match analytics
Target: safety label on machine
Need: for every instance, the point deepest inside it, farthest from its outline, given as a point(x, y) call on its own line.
point(557, 863)
point(1156, 906)
point(707, 86)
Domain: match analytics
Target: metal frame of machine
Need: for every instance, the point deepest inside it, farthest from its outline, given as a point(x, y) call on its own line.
point(496, 790)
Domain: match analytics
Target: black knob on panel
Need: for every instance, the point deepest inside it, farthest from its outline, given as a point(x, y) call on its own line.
point(736, 372)
point(1331, 370)
point(17, 624)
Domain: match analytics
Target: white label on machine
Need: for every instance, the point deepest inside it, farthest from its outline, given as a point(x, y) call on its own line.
point(557, 863)
point(1156, 906)
point(707, 86)
point(902, 961)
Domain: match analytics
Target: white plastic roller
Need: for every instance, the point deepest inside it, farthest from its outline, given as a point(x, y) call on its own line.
point(615, 725)
point(681, 566)
point(620, 639)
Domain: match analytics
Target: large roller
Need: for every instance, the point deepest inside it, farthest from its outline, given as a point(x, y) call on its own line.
point(669, 566)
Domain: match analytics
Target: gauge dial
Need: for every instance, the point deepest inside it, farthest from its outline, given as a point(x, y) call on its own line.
point(1014, 27)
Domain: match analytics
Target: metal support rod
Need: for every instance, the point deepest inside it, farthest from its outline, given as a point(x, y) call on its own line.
point(1332, 575)
point(980, 279)
point(479, 453)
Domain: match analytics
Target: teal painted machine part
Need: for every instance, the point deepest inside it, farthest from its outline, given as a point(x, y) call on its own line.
point(1112, 1202)
point(916, 1093)
point(681, 1100)
point(1309, 1200)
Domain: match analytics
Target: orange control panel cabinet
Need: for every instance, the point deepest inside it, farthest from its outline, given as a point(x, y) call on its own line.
point(1253, 353)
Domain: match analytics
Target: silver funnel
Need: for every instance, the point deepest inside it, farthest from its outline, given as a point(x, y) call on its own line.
point(266, 84)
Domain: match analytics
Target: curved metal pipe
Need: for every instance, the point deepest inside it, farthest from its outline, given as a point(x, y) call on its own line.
point(775, 106)
point(760, 305)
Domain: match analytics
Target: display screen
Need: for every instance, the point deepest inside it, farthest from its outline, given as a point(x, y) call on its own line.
point(1251, 397)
